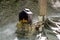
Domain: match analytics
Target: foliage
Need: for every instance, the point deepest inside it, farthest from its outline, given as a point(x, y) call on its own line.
point(36, 1)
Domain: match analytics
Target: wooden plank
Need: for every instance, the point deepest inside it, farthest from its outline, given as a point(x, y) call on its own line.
point(43, 7)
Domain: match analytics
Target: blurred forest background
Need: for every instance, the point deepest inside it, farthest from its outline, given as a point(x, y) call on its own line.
point(9, 9)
